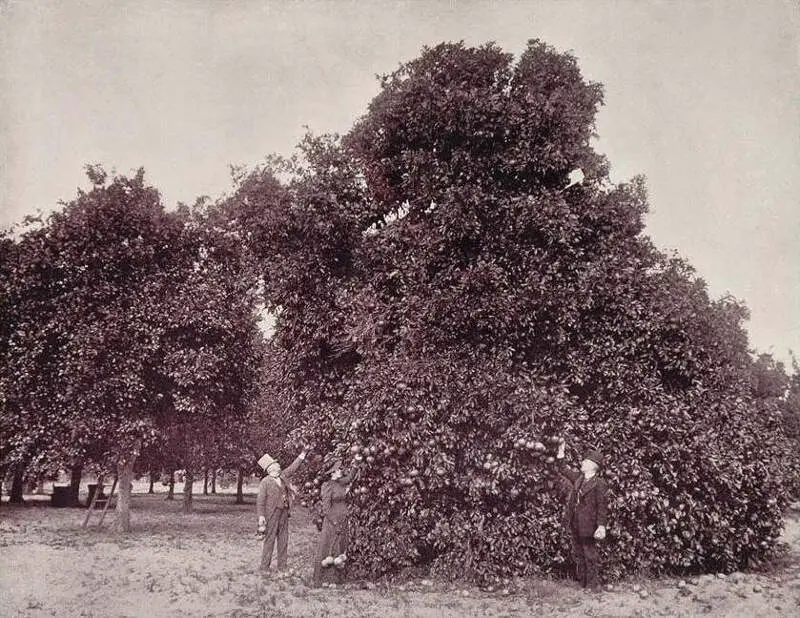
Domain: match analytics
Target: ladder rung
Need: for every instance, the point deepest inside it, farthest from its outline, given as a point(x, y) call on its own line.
point(100, 499)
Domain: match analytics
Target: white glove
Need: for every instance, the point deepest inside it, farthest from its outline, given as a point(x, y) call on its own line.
point(600, 533)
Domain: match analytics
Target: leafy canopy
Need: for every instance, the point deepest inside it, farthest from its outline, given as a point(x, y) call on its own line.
point(445, 299)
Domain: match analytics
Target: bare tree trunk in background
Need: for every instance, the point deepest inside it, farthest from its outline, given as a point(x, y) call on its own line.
point(171, 490)
point(187, 491)
point(17, 484)
point(214, 481)
point(152, 488)
point(75, 475)
point(205, 481)
point(239, 485)
point(124, 484)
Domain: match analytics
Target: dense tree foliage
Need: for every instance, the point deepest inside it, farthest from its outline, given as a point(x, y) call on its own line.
point(772, 385)
point(446, 300)
point(128, 325)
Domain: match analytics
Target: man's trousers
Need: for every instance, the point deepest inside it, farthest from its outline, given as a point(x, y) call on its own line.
point(277, 530)
point(587, 560)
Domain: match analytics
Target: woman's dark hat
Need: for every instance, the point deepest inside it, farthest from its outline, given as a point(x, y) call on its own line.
point(332, 464)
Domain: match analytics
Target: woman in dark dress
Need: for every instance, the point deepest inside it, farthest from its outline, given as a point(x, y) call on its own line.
point(332, 544)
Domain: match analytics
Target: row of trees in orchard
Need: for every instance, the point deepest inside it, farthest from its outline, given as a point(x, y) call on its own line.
point(447, 302)
point(129, 332)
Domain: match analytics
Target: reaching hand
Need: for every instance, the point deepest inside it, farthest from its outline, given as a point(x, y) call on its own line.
point(600, 533)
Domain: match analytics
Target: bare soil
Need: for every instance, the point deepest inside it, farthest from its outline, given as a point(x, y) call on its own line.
point(206, 564)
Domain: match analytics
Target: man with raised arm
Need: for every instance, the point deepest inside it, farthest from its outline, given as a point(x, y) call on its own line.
point(585, 514)
point(275, 496)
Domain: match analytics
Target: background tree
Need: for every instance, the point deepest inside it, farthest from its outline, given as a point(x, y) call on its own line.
point(131, 323)
point(446, 301)
point(772, 385)
point(792, 410)
point(32, 427)
point(791, 423)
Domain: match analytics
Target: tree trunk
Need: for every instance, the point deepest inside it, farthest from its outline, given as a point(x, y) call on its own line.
point(17, 485)
point(171, 489)
point(76, 472)
point(152, 488)
point(39, 485)
point(214, 481)
point(205, 481)
point(187, 491)
point(124, 485)
point(239, 485)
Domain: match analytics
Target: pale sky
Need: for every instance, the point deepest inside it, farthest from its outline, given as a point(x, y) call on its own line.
point(703, 98)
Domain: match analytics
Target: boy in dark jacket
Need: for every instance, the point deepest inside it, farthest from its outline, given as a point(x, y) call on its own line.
point(585, 514)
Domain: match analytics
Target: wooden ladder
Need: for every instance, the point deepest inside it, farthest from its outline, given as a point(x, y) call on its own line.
point(96, 500)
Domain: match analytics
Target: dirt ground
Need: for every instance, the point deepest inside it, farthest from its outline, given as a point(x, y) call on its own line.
point(205, 564)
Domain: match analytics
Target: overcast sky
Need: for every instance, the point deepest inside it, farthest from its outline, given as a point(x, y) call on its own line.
point(703, 98)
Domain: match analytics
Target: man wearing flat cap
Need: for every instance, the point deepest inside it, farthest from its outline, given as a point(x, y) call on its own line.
point(275, 496)
point(585, 514)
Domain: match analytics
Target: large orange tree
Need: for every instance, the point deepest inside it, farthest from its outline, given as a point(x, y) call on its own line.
point(447, 300)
